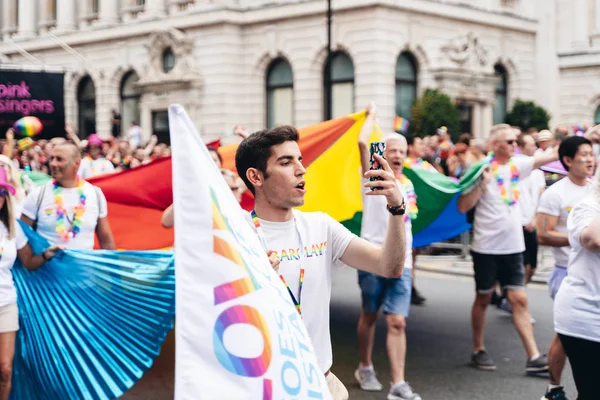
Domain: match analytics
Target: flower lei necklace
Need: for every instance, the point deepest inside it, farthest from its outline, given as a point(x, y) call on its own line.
point(514, 180)
point(61, 213)
point(411, 207)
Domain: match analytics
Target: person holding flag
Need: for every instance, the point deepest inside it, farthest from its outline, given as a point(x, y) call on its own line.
point(308, 244)
point(392, 294)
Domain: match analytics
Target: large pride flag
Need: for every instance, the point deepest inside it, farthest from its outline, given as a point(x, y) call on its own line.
point(137, 197)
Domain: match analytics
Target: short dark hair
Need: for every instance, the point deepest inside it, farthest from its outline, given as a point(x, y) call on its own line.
point(569, 147)
point(410, 139)
point(255, 150)
point(213, 150)
point(465, 138)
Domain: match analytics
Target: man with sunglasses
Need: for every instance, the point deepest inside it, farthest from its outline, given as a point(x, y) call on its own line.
point(68, 211)
point(498, 243)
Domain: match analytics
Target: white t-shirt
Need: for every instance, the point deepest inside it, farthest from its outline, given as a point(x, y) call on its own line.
point(558, 201)
point(325, 240)
point(135, 136)
point(95, 208)
point(90, 168)
point(376, 219)
point(497, 228)
point(577, 304)
point(8, 294)
point(529, 195)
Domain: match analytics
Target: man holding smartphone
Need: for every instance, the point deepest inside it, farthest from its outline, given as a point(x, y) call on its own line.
point(270, 163)
point(394, 294)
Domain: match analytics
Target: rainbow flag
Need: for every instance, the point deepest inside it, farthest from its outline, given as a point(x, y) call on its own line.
point(401, 124)
point(137, 197)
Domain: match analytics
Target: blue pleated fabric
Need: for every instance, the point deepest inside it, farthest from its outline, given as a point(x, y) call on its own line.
point(92, 321)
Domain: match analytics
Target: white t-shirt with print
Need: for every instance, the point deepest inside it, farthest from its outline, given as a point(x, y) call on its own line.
point(376, 219)
point(326, 241)
point(497, 228)
point(8, 293)
point(95, 208)
point(90, 168)
point(577, 304)
point(558, 201)
point(529, 195)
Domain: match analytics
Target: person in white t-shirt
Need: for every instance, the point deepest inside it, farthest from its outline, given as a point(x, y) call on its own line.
point(498, 243)
point(576, 156)
point(530, 190)
point(134, 135)
point(391, 294)
point(68, 211)
point(577, 303)
point(307, 244)
point(94, 164)
point(13, 244)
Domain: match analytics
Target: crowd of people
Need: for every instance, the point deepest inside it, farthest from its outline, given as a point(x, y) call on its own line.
point(512, 209)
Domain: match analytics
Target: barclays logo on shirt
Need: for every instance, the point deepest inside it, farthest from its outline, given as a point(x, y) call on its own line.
point(314, 250)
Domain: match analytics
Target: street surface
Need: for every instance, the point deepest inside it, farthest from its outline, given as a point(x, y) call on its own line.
point(439, 346)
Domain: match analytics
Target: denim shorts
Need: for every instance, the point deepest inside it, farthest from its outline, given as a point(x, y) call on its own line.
point(392, 293)
point(558, 274)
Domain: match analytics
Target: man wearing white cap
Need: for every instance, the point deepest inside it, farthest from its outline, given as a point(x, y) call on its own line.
point(545, 141)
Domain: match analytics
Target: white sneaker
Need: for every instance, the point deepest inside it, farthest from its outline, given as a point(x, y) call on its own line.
point(402, 391)
point(368, 380)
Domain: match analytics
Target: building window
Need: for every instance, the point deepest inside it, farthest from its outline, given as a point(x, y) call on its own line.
point(280, 94)
point(160, 126)
point(501, 106)
point(406, 84)
point(168, 60)
point(597, 116)
point(86, 105)
point(339, 86)
point(94, 6)
point(130, 100)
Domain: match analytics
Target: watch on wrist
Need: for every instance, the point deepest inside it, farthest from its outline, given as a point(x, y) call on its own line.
point(44, 255)
point(397, 210)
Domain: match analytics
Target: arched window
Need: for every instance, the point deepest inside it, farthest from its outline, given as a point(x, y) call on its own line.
point(406, 84)
point(339, 86)
point(280, 94)
point(130, 99)
point(86, 105)
point(597, 116)
point(501, 105)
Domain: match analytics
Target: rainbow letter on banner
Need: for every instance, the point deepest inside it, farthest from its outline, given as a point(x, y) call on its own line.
point(238, 333)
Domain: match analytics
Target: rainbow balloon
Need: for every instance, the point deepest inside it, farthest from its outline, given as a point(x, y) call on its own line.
point(28, 126)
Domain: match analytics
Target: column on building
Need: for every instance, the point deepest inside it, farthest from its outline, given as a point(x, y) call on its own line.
point(487, 120)
point(477, 122)
point(27, 20)
point(65, 16)
point(108, 12)
point(154, 8)
point(9, 16)
point(597, 17)
point(581, 27)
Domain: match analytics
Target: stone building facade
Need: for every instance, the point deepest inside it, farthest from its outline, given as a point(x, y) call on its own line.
point(262, 62)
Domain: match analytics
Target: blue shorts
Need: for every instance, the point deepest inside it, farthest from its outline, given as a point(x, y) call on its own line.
point(558, 274)
point(392, 293)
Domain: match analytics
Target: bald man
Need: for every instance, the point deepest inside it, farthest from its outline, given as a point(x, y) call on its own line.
point(50, 208)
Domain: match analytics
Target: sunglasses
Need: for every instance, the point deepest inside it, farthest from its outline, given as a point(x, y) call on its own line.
point(511, 142)
point(3, 193)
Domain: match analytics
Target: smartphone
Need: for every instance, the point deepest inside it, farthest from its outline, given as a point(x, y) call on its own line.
point(379, 149)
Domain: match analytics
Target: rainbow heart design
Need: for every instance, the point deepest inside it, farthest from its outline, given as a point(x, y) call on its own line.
point(28, 126)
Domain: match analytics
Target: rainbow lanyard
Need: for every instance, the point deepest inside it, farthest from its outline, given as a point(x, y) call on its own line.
point(265, 246)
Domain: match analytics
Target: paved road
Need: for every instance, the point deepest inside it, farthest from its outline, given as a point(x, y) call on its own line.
point(439, 341)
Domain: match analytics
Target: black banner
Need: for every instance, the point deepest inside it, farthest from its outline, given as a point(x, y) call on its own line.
point(38, 94)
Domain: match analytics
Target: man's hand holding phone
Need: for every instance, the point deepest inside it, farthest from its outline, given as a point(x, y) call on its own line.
point(385, 181)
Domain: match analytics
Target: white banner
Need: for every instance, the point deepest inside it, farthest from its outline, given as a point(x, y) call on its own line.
point(238, 334)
